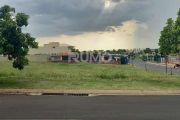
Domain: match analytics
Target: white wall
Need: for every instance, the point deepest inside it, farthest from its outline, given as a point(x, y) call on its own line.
point(48, 49)
point(37, 58)
point(2, 58)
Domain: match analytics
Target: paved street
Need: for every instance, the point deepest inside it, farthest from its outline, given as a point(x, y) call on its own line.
point(156, 67)
point(99, 107)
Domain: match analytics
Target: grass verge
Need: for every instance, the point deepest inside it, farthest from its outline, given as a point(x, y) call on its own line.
point(84, 76)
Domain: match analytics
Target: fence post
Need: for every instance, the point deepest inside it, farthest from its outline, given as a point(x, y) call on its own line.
point(145, 66)
point(132, 61)
point(166, 62)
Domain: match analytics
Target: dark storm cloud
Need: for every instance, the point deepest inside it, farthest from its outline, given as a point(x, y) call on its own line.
point(55, 17)
point(116, 1)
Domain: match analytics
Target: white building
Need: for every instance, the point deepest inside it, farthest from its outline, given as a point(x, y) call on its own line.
point(53, 49)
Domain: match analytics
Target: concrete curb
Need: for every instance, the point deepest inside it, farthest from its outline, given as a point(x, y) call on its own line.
point(90, 92)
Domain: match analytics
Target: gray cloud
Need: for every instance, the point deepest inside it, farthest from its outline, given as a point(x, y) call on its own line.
point(116, 1)
point(71, 17)
point(157, 17)
point(55, 17)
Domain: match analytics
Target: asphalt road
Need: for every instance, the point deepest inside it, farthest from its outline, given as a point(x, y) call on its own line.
point(156, 67)
point(99, 107)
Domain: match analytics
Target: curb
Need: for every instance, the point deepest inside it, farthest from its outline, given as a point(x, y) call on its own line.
point(90, 92)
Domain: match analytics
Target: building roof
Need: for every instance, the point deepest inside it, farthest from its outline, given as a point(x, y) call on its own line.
point(65, 45)
point(57, 43)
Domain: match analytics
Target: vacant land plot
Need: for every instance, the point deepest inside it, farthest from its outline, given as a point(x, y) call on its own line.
point(84, 76)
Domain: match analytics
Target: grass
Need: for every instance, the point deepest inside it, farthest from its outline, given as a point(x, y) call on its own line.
point(84, 76)
point(111, 76)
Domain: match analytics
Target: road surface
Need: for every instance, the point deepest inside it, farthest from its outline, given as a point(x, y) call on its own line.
point(156, 67)
point(99, 107)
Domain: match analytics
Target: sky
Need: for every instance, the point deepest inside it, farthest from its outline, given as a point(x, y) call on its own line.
point(97, 24)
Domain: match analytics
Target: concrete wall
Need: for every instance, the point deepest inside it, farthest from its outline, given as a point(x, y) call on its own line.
point(3, 58)
point(38, 58)
point(50, 49)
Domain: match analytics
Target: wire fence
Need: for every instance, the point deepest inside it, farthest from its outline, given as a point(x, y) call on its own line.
point(171, 60)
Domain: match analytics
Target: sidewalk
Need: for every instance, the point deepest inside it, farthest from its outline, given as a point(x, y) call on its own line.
point(90, 92)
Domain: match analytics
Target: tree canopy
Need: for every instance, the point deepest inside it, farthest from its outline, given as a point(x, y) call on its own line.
point(166, 39)
point(13, 42)
point(169, 40)
point(156, 51)
point(119, 51)
point(176, 40)
point(148, 50)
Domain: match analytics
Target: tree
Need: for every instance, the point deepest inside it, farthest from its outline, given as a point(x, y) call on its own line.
point(77, 51)
point(13, 42)
point(148, 50)
point(73, 50)
point(169, 41)
point(166, 40)
point(176, 33)
point(156, 51)
point(108, 51)
point(132, 54)
point(84, 52)
point(140, 52)
point(95, 51)
point(121, 51)
point(114, 51)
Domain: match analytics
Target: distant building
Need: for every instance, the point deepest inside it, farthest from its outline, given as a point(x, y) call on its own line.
point(137, 50)
point(52, 49)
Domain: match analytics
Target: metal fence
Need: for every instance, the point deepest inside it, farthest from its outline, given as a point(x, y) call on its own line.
point(171, 60)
